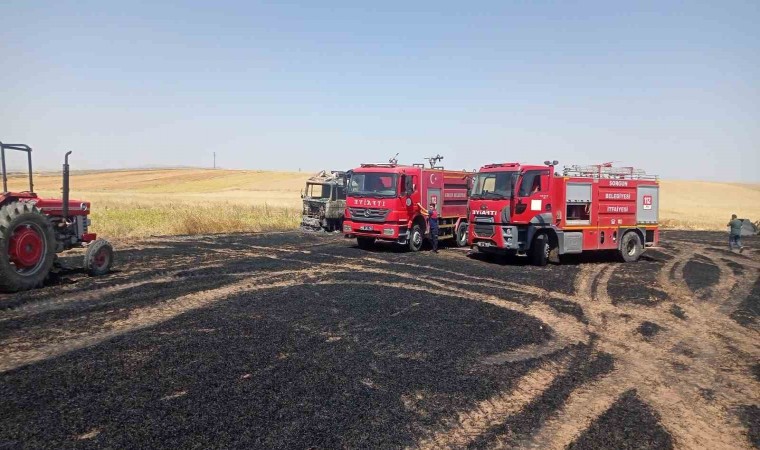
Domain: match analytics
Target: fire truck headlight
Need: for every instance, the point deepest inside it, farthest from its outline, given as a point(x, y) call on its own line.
point(388, 231)
point(509, 232)
point(346, 228)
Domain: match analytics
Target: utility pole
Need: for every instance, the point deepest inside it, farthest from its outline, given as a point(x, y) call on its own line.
point(214, 160)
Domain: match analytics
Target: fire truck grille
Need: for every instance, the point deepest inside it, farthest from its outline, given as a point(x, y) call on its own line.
point(484, 219)
point(368, 214)
point(484, 230)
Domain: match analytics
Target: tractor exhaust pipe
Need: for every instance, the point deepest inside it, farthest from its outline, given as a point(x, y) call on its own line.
point(66, 187)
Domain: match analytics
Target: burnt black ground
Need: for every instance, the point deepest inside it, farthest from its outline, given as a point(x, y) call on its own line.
point(351, 359)
point(747, 312)
point(751, 417)
point(621, 428)
point(649, 329)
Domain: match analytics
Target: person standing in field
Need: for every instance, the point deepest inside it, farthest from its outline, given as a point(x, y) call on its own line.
point(735, 234)
point(432, 216)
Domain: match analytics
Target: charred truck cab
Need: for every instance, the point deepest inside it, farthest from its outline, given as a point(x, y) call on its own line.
point(383, 203)
point(533, 211)
point(324, 201)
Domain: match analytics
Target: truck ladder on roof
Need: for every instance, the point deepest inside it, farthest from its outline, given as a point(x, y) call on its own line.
point(607, 171)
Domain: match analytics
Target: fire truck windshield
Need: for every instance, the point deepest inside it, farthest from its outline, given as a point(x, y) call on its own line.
point(373, 184)
point(493, 185)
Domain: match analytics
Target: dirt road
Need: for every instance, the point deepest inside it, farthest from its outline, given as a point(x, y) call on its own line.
point(305, 341)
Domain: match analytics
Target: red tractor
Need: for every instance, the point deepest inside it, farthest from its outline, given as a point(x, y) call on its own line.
point(33, 230)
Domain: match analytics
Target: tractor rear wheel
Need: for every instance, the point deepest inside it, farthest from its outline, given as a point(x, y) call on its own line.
point(27, 247)
point(98, 258)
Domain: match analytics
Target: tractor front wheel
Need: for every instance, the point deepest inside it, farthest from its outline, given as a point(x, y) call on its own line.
point(98, 258)
point(27, 247)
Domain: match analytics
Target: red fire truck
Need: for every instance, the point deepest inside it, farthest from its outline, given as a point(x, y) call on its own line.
point(535, 212)
point(383, 203)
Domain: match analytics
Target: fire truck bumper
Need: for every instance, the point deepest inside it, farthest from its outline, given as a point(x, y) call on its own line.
point(384, 231)
point(496, 238)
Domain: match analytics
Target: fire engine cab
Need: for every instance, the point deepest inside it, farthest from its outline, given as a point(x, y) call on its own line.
point(383, 203)
point(531, 210)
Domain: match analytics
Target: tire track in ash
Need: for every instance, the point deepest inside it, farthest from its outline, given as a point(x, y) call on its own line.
point(12, 357)
point(121, 282)
point(580, 410)
point(569, 331)
point(720, 340)
point(592, 286)
point(89, 295)
point(491, 412)
point(588, 401)
point(644, 366)
point(654, 363)
point(689, 375)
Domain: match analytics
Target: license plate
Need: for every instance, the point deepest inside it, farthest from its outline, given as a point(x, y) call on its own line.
point(366, 228)
point(485, 244)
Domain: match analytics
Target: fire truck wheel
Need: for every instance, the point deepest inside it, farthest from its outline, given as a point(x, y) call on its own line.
point(539, 251)
point(365, 243)
point(630, 247)
point(98, 258)
point(462, 235)
point(28, 247)
point(416, 238)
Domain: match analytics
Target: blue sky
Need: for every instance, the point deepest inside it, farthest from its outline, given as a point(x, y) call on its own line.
point(672, 87)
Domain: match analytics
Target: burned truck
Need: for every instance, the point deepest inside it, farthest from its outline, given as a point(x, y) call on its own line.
point(324, 201)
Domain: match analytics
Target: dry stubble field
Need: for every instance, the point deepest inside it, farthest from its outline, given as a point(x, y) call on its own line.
point(139, 203)
point(302, 340)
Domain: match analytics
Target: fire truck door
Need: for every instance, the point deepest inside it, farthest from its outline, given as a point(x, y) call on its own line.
point(533, 197)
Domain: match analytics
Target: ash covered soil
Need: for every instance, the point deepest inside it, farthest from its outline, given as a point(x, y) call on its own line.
point(300, 340)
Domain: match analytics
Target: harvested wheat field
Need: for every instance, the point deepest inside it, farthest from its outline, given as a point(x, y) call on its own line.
point(294, 340)
point(139, 203)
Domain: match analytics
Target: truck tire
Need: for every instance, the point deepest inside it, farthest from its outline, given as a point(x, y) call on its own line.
point(27, 247)
point(98, 258)
point(416, 238)
point(630, 247)
point(539, 251)
point(365, 243)
point(461, 235)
